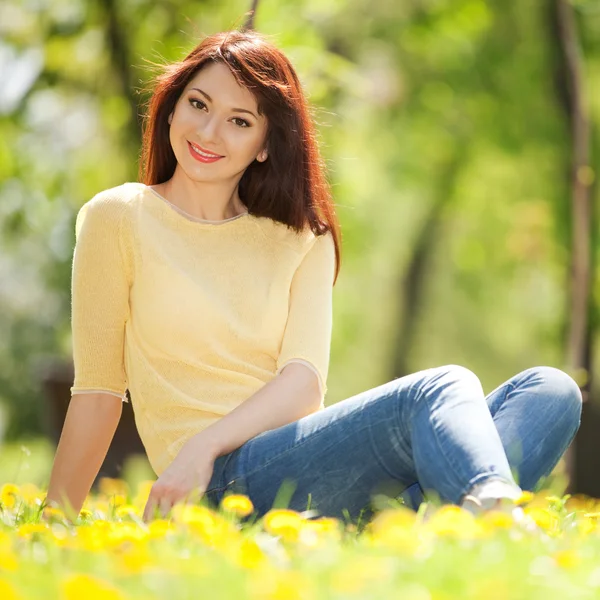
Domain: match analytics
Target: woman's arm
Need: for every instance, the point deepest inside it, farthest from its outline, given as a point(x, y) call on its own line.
point(87, 432)
point(101, 278)
point(293, 394)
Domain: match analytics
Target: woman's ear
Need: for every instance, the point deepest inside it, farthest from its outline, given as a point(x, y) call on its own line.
point(170, 119)
point(262, 156)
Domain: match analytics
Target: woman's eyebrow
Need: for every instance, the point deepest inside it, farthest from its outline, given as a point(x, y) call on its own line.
point(242, 110)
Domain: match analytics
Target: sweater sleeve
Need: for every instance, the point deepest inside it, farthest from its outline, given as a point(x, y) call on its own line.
point(101, 278)
point(307, 336)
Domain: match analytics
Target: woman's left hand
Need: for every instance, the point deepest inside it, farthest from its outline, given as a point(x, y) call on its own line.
point(187, 477)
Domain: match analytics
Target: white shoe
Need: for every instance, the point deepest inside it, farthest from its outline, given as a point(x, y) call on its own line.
point(497, 495)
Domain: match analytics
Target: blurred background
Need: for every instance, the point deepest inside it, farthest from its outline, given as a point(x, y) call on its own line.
point(463, 145)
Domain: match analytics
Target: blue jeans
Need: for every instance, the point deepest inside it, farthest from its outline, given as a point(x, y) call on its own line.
point(434, 430)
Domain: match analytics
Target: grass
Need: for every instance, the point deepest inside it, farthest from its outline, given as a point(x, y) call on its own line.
point(439, 553)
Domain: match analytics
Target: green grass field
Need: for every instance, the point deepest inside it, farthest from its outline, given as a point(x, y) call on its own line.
point(439, 553)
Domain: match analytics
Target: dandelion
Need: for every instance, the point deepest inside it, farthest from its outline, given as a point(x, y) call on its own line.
point(212, 529)
point(112, 487)
point(8, 562)
point(283, 522)
point(237, 504)
point(361, 573)
point(394, 528)
point(28, 530)
point(280, 585)
point(247, 554)
point(80, 586)
point(31, 494)
point(127, 510)
point(8, 591)
point(525, 498)
point(159, 528)
point(567, 559)
point(53, 513)
point(143, 493)
point(453, 521)
point(9, 494)
point(496, 519)
point(135, 558)
point(544, 518)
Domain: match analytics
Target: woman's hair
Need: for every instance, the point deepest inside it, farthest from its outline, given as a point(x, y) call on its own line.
point(291, 185)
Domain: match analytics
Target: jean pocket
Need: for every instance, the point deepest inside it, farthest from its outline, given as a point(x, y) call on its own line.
point(215, 494)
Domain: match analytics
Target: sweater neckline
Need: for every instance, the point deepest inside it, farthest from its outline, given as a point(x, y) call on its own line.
point(187, 215)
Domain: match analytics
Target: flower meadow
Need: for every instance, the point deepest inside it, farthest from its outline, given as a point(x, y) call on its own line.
point(199, 551)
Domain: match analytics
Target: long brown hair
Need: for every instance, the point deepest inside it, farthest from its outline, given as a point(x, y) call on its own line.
point(291, 185)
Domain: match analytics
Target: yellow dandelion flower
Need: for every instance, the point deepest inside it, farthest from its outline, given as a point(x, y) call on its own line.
point(8, 562)
point(280, 585)
point(582, 502)
point(249, 555)
point(127, 510)
point(496, 519)
point(316, 532)
point(118, 500)
point(135, 558)
point(159, 528)
point(525, 498)
point(108, 486)
point(237, 504)
point(27, 530)
point(212, 529)
point(587, 526)
point(453, 521)
point(81, 586)
point(5, 541)
point(284, 522)
point(31, 494)
point(567, 559)
point(325, 525)
point(544, 518)
point(53, 513)
point(143, 493)
point(8, 591)
point(123, 533)
point(191, 513)
point(392, 518)
point(9, 494)
point(394, 528)
point(94, 537)
point(361, 573)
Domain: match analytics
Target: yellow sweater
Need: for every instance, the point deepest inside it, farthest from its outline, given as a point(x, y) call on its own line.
point(192, 316)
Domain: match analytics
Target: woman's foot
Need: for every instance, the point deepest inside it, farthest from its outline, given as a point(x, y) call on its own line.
point(497, 495)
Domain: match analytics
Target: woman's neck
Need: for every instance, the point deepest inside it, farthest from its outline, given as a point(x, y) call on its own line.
point(210, 201)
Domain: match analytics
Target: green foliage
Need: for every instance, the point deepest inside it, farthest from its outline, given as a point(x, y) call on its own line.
point(439, 111)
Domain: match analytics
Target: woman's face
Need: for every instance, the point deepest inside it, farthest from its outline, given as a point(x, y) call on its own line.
point(216, 131)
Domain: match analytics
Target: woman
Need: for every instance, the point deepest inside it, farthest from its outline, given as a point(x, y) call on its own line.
point(206, 291)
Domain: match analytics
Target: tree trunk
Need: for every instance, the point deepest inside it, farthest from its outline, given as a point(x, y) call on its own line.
point(578, 348)
point(413, 281)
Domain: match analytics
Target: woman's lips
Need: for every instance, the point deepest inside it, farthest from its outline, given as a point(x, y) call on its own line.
point(203, 159)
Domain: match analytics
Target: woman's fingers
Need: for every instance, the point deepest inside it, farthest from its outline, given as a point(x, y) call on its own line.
point(165, 506)
point(149, 508)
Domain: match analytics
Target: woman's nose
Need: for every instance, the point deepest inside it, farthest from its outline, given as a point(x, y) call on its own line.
point(209, 131)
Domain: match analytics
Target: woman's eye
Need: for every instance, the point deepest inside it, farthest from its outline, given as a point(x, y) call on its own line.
point(202, 105)
point(241, 122)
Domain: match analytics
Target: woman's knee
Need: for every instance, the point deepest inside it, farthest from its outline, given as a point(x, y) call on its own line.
point(561, 390)
point(440, 379)
point(456, 374)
